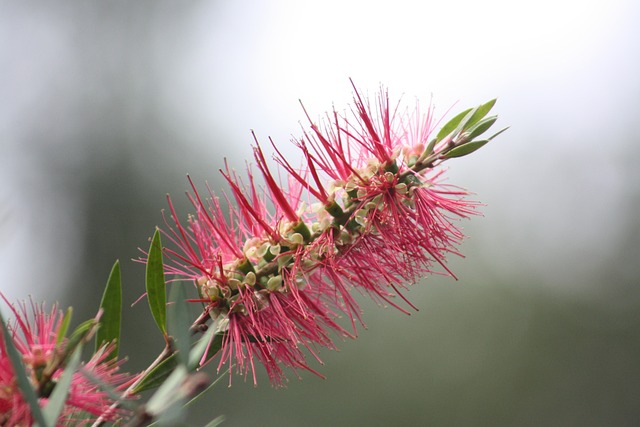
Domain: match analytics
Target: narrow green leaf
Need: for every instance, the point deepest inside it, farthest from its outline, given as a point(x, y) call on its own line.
point(464, 123)
point(55, 403)
point(179, 322)
point(81, 334)
point(28, 393)
point(451, 125)
point(216, 421)
point(497, 133)
point(465, 149)
point(157, 376)
point(64, 326)
point(156, 288)
point(481, 127)
point(111, 306)
point(174, 414)
point(429, 149)
point(210, 387)
point(480, 113)
point(168, 393)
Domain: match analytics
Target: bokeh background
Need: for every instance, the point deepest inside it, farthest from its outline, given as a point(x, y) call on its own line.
point(107, 105)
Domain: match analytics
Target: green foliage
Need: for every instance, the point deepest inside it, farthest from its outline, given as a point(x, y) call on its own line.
point(80, 335)
point(430, 147)
point(209, 343)
point(28, 393)
point(480, 127)
point(465, 149)
point(498, 133)
point(64, 326)
point(155, 284)
point(216, 421)
point(210, 387)
point(464, 128)
point(157, 375)
point(55, 403)
point(479, 113)
point(167, 404)
point(179, 322)
point(111, 306)
point(451, 125)
point(465, 120)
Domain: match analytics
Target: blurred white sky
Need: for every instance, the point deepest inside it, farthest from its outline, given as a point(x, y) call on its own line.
point(564, 73)
point(279, 51)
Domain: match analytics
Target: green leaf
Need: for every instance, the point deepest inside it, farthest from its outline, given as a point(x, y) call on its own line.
point(497, 133)
point(28, 393)
point(157, 376)
point(64, 326)
point(464, 123)
point(480, 113)
point(481, 127)
point(216, 421)
point(81, 334)
point(111, 305)
point(430, 146)
point(161, 372)
point(451, 125)
point(210, 387)
point(169, 393)
point(156, 288)
point(55, 403)
point(179, 322)
point(465, 149)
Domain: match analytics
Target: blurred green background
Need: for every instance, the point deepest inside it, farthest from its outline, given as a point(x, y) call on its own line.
point(106, 105)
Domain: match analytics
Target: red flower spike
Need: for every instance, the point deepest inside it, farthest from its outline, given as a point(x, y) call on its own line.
point(363, 212)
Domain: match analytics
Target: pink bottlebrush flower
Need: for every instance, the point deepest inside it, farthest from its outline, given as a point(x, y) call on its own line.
point(36, 339)
point(364, 211)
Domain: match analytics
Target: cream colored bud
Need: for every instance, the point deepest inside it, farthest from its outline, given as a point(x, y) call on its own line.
point(262, 250)
point(274, 249)
point(250, 252)
point(296, 239)
point(250, 278)
point(284, 260)
point(274, 283)
point(333, 186)
point(250, 243)
point(234, 283)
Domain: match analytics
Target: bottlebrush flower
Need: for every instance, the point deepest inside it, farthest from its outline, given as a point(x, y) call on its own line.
point(365, 211)
point(37, 339)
